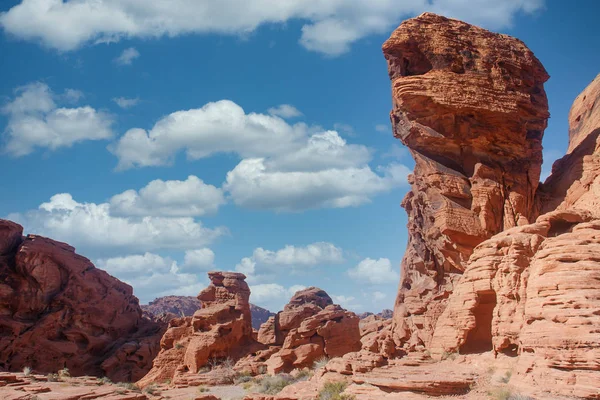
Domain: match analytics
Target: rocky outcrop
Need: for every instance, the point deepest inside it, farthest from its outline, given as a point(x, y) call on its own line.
point(58, 311)
point(309, 328)
point(471, 107)
point(533, 291)
point(169, 307)
point(220, 331)
point(575, 178)
point(259, 315)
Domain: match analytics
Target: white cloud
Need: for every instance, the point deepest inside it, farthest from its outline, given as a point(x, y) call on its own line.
point(264, 264)
point(396, 152)
point(220, 127)
point(375, 272)
point(126, 103)
point(92, 229)
point(198, 260)
point(152, 276)
point(382, 128)
point(189, 198)
point(272, 296)
point(73, 95)
point(253, 184)
point(346, 129)
point(330, 26)
point(377, 296)
point(285, 111)
point(34, 120)
point(127, 56)
point(347, 302)
point(134, 265)
point(284, 168)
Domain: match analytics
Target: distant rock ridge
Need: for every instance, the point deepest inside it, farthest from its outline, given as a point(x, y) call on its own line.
point(58, 311)
point(169, 307)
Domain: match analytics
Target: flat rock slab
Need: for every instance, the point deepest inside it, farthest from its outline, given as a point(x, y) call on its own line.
point(433, 380)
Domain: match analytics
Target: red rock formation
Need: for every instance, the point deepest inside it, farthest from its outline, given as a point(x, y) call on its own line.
point(533, 291)
point(57, 310)
point(219, 331)
point(169, 307)
point(574, 179)
point(471, 107)
point(174, 306)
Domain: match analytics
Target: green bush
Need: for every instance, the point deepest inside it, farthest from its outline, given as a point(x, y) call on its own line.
point(274, 384)
point(333, 391)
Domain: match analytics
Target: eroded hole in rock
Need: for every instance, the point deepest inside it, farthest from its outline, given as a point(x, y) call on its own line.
point(511, 351)
point(558, 227)
point(479, 339)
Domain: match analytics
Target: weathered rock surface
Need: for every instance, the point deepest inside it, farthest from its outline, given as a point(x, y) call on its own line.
point(309, 328)
point(575, 178)
point(533, 291)
point(172, 307)
point(57, 310)
point(219, 331)
point(169, 307)
point(471, 107)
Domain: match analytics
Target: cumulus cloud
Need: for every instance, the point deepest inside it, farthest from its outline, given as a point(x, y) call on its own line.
point(92, 228)
point(253, 184)
point(36, 121)
point(152, 276)
point(219, 127)
point(265, 263)
point(347, 302)
point(285, 111)
point(126, 103)
point(382, 128)
point(272, 296)
point(73, 95)
point(189, 198)
point(375, 272)
point(330, 26)
point(198, 260)
point(127, 56)
point(284, 167)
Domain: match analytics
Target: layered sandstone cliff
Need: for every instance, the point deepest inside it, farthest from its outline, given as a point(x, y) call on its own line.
point(58, 311)
point(470, 106)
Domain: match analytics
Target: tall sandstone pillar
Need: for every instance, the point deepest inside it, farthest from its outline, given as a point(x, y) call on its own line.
point(471, 107)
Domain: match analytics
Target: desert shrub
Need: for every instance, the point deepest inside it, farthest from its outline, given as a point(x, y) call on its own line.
point(320, 363)
point(274, 384)
point(178, 346)
point(104, 381)
point(27, 371)
point(53, 378)
point(303, 375)
point(333, 391)
point(129, 386)
point(242, 377)
point(506, 377)
point(64, 373)
point(449, 356)
point(151, 389)
point(202, 389)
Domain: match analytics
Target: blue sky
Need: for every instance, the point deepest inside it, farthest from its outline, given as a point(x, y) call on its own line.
point(167, 140)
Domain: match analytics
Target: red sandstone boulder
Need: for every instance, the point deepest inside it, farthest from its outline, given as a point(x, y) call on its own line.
point(220, 332)
point(57, 310)
point(471, 107)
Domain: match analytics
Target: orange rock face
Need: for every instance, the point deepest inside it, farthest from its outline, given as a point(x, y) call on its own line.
point(471, 107)
point(533, 291)
point(57, 310)
point(220, 330)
